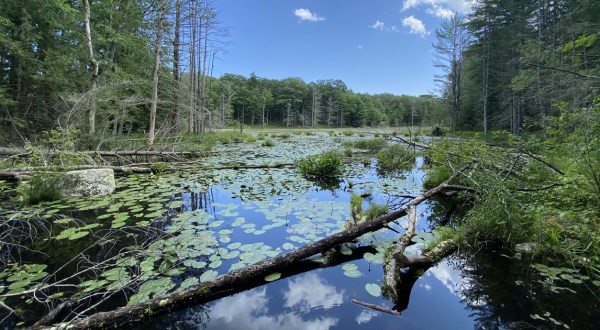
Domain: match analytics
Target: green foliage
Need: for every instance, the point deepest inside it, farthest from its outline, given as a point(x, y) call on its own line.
point(395, 158)
point(348, 152)
point(373, 145)
point(328, 165)
point(268, 143)
point(375, 211)
point(356, 202)
point(41, 187)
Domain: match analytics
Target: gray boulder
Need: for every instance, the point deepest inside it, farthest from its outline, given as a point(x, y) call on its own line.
point(88, 183)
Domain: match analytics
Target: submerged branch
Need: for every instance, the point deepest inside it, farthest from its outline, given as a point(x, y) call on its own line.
point(375, 307)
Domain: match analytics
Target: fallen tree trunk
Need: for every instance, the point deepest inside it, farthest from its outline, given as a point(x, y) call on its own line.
point(24, 173)
point(225, 284)
point(17, 174)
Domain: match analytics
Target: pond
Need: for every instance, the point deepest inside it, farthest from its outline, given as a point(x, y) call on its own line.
point(180, 228)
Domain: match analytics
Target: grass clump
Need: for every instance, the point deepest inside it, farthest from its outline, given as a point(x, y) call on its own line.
point(375, 210)
point(328, 165)
point(268, 143)
point(395, 158)
point(40, 188)
point(374, 144)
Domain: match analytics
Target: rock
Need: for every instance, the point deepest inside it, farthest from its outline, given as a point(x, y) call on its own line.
point(92, 182)
point(525, 248)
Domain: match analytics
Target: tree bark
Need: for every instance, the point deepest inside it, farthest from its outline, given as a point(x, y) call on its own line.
point(225, 284)
point(154, 100)
point(94, 85)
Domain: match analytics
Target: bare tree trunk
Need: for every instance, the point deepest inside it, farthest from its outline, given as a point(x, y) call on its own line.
point(176, 77)
point(192, 73)
point(88, 37)
point(154, 101)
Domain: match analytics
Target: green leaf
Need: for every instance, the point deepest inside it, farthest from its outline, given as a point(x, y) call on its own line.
point(353, 273)
point(273, 277)
point(190, 281)
point(78, 235)
point(208, 275)
point(373, 289)
point(350, 267)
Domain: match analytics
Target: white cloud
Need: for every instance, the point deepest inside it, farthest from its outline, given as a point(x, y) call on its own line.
point(439, 7)
point(408, 4)
point(378, 26)
point(444, 13)
point(307, 15)
point(359, 47)
point(415, 25)
point(365, 316)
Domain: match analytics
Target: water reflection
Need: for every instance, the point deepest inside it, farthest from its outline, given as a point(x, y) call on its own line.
point(250, 310)
point(365, 316)
point(309, 291)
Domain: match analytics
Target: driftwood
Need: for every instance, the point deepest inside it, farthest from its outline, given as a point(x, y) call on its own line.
point(227, 284)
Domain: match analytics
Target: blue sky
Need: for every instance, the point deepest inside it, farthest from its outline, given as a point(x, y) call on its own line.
point(374, 46)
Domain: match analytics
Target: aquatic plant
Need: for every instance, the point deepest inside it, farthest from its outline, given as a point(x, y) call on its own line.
point(327, 165)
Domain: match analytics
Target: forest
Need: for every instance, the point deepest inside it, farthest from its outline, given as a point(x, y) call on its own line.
point(120, 76)
point(228, 185)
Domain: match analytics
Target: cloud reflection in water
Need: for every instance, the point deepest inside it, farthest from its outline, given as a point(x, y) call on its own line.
point(249, 310)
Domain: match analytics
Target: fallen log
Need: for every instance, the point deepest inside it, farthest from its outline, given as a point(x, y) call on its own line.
point(225, 284)
point(24, 173)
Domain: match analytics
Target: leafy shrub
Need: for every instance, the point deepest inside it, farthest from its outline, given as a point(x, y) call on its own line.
point(328, 165)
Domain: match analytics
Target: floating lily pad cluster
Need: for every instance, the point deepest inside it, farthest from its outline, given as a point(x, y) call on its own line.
point(247, 216)
point(21, 278)
point(553, 276)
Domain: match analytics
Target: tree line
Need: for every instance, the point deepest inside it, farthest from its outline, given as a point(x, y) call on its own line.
point(513, 65)
point(111, 68)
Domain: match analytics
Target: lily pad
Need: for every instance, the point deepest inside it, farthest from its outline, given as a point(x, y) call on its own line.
point(373, 289)
point(353, 273)
point(350, 267)
point(188, 283)
point(273, 277)
point(208, 275)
